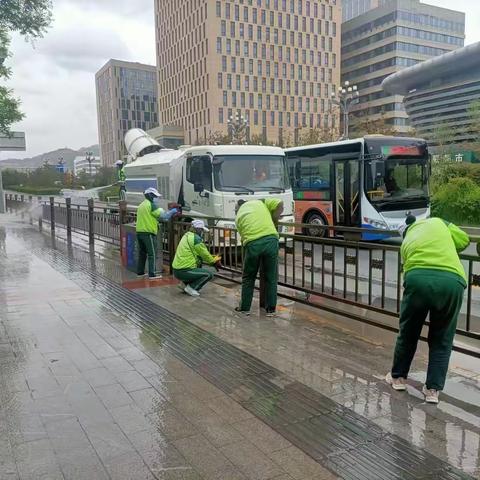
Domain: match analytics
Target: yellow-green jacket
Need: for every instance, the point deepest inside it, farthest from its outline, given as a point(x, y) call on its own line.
point(147, 217)
point(254, 219)
point(191, 252)
point(433, 244)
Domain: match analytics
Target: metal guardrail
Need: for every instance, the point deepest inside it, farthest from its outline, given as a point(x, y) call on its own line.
point(359, 280)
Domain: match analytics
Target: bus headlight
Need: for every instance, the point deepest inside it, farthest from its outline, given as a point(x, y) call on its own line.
point(379, 224)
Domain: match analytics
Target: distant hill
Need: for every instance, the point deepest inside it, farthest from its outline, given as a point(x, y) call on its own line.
point(53, 157)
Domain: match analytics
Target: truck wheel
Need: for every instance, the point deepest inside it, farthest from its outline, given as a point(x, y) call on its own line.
point(315, 220)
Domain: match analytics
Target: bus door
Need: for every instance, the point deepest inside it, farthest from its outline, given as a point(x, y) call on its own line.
point(346, 191)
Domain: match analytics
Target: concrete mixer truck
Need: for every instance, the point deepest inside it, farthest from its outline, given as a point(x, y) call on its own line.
point(207, 181)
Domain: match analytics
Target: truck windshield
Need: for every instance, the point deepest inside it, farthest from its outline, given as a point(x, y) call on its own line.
point(398, 180)
point(251, 173)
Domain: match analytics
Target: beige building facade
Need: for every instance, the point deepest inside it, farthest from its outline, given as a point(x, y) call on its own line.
point(275, 62)
point(126, 98)
point(387, 39)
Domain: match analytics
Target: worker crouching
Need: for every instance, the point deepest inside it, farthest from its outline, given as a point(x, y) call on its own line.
point(190, 255)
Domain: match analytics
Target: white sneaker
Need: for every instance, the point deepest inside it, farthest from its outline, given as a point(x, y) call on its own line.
point(396, 383)
point(155, 277)
point(245, 313)
point(431, 395)
point(191, 291)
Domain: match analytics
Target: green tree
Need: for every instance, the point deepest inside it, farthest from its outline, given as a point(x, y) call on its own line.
point(30, 18)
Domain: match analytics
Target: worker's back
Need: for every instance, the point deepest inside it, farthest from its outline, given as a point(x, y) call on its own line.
point(433, 244)
point(254, 220)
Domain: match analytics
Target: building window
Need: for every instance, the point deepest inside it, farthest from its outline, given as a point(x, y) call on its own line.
point(225, 98)
point(220, 80)
point(220, 115)
point(219, 9)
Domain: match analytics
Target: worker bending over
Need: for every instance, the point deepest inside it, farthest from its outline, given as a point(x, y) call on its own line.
point(148, 215)
point(191, 253)
point(257, 224)
point(434, 284)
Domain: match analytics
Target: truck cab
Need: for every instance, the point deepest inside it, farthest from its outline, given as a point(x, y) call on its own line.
point(208, 181)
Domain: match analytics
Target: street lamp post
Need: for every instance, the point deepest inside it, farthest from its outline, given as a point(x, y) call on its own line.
point(89, 158)
point(237, 127)
point(347, 96)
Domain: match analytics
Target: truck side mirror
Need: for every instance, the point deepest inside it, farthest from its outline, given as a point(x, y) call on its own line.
point(198, 188)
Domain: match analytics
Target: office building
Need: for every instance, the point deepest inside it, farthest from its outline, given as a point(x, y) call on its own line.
point(88, 164)
point(389, 38)
point(126, 98)
point(275, 62)
point(354, 8)
point(169, 136)
point(439, 93)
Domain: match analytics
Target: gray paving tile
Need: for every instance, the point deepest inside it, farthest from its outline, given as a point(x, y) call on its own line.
point(128, 466)
point(36, 460)
point(202, 455)
point(163, 459)
point(113, 395)
point(228, 409)
point(299, 465)
point(99, 377)
point(132, 381)
point(261, 435)
point(131, 419)
point(116, 364)
point(251, 461)
point(172, 424)
point(149, 400)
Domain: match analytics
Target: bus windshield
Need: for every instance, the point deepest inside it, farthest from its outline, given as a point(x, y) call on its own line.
point(250, 173)
point(397, 179)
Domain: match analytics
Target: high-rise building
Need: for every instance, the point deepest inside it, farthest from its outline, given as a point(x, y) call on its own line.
point(354, 8)
point(126, 98)
point(439, 94)
point(382, 41)
point(275, 62)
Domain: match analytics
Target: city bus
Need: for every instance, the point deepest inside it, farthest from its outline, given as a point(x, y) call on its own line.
point(371, 182)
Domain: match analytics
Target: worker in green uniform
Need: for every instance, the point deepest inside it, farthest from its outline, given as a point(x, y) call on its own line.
point(191, 253)
point(121, 178)
point(257, 224)
point(148, 215)
point(120, 170)
point(434, 281)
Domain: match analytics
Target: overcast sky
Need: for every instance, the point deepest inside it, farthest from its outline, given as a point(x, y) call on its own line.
point(55, 77)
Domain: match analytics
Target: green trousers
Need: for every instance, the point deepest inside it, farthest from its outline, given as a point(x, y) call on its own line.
point(440, 294)
point(263, 251)
point(147, 245)
point(197, 278)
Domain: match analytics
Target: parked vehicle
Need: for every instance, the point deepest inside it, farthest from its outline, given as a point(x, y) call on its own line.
point(207, 181)
point(371, 182)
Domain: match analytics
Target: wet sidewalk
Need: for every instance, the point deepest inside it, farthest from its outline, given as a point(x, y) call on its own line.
point(105, 376)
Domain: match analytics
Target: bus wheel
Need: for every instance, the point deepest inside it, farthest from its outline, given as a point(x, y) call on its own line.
point(315, 220)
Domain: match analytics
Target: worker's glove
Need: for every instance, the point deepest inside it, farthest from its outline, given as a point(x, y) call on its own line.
point(177, 207)
point(171, 213)
point(217, 262)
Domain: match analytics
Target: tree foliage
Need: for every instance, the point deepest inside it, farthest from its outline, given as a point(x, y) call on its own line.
point(371, 125)
point(30, 18)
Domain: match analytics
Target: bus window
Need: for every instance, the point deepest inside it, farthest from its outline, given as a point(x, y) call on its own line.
point(313, 173)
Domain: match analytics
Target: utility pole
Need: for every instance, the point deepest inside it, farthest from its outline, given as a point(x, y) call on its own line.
point(347, 96)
